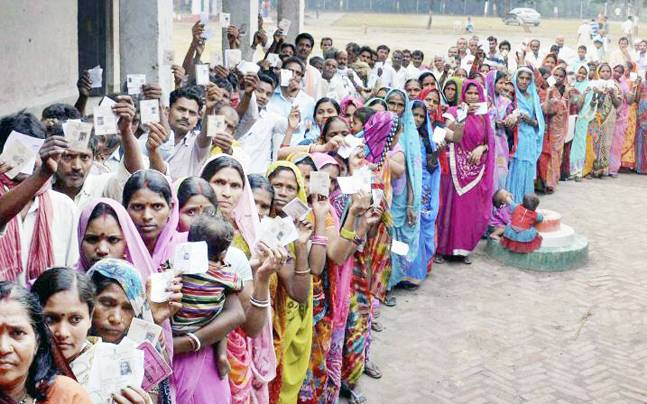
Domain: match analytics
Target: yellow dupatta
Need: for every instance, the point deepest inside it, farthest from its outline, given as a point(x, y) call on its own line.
point(292, 322)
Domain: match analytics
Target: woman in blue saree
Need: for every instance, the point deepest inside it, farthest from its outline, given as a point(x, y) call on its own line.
point(405, 207)
point(530, 135)
point(413, 274)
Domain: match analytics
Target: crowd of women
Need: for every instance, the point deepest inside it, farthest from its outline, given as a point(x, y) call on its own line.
point(84, 232)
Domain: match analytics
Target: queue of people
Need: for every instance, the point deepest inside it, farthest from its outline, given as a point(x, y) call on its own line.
point(423, 162)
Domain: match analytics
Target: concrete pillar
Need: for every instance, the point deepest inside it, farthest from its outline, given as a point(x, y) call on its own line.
point(145, 38)
point(292, 10)
point(244, 14)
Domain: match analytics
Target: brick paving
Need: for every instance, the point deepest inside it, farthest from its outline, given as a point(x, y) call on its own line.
point(486, 333)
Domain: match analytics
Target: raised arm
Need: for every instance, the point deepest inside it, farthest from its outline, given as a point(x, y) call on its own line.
point(13, 201)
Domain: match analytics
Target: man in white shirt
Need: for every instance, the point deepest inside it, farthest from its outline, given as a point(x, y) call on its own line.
point(186, 149)
point(584, 33)
point(565, 52)
point(533, 57)
point(336, 84)
point(260, 132)
point(73, 177)
point(400, 76)
point(312, 78)
point(19, 200)
point(285, 98)
point(641, 56)
point(628, 28)
point(382, 68)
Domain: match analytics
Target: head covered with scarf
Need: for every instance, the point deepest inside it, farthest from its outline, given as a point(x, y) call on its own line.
point(136, 252)
point(169, 237)
point(245, 213)
point(458, 82)
point(410, 143)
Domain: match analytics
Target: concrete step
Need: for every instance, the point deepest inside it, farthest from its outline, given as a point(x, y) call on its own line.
point(562, 237)
point(546, 259)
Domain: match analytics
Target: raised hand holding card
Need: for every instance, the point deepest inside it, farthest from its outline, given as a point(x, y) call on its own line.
point(232, 58)
point(319, 183)
point(481, 108)
point(160, 281)
point(149, 111)
point(77, 134)
point(286, 76)
point(96, 76)
point(202, 74)
point(141, 331)
point(296, 209)
point(225, 20)
point(191, 258)
point(284, 26)
point(215, 125)
point(134, 82)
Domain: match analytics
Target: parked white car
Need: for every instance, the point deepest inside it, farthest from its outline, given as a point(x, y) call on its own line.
point(522, 16)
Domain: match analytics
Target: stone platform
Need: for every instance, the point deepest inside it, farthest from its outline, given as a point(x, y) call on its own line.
point(561, 248)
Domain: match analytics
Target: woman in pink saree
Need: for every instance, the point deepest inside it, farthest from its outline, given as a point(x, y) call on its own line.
point(467, 204)
point(622, 119)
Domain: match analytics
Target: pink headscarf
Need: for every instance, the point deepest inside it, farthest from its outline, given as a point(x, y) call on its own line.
point(348, 100)
point(245, 214)
point(136, 252)
point(322, 159)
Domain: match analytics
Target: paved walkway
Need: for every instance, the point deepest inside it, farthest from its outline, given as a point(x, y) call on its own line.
point(491, 334)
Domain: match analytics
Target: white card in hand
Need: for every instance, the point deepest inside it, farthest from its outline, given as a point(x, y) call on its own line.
point(105, 121)
point(347, 185)
point(551, 81)
point(364, 177)
point(134, 82)
point(319, 183)
point(232, 58)
point(284, 25)
point(159, 282)
point(204, 18)
point(267, 233)
point(216, 59)
point(248, 67)
point(32, 143)
point(348, 146)
point(439, 135)
point(96, 77)
point(399, 248)
point(461, 114)
point(378, 196)
point(481, 108)
point(296, 209)
point(287, 231)
point(215, 125)
point(286, 76)
point(168, 57)
point(149, 111)
point(77, 134)
point(142, 330)
point(17, 155)
point(202, 74)
point(191, 258)
point(633, 76)
point(274, 59)
point(225, 20)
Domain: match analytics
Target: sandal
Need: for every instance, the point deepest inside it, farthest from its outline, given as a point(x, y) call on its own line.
point(439, 259)
point(467, 260)
point(377, 326)
point(371, 370)
point(357, 397)
point(390, 300)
